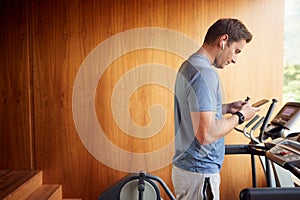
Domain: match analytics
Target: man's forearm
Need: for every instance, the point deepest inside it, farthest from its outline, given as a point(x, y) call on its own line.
point(210, 130)
point(221, 128)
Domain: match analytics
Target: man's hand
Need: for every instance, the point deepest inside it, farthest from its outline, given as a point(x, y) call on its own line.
point(233, 107)
point(248, 111)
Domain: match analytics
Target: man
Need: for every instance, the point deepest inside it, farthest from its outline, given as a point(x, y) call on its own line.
point(199, 123)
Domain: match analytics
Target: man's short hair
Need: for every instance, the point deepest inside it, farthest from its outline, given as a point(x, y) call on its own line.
point(234, 28)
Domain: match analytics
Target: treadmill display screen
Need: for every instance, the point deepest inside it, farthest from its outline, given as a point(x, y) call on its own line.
point(288, 111)
point(288, 115)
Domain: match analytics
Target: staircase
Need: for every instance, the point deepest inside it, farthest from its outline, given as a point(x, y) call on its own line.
point(27, 184)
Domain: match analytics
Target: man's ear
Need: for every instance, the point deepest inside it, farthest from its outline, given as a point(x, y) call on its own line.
point(223, 41)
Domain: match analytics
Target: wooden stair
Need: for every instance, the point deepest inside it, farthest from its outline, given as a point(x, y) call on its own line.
point(27, 184)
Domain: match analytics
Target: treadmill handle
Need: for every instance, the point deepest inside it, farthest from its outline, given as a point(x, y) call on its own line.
point(293, 169)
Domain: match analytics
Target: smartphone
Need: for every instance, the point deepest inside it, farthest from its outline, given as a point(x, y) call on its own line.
point(260, 103)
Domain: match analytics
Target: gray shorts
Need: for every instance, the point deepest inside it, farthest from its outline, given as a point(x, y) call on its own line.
point(195, 186)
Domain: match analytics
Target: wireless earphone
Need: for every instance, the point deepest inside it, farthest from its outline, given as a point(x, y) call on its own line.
point(223, 45)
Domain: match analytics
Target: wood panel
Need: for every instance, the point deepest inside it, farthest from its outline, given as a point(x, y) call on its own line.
point(66, 34)
point(15, 87)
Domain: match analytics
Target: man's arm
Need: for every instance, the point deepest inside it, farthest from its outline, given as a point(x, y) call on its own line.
point(207, 129)
point(232, 107)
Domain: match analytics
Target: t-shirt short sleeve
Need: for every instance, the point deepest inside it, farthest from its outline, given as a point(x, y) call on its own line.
point(202, 91)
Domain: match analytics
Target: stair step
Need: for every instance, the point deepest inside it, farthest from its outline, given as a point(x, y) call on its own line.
point(47, 192)
point(28, 184)
point(16, 185)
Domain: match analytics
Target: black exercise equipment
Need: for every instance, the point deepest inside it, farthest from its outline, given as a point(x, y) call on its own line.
point(137, 186)
point(283, 150)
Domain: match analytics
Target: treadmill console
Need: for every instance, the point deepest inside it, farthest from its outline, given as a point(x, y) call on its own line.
point(285, 151)
point(288, 115)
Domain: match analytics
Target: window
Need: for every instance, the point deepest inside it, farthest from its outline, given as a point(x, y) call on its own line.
point(291, 84)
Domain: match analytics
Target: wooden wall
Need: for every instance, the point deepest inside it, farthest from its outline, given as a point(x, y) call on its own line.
point(15, 86)
point(54, 114)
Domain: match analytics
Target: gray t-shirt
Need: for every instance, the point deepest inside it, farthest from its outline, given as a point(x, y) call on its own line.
point(197, 89)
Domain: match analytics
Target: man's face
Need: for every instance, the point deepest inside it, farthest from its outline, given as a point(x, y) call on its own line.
point(229, 54)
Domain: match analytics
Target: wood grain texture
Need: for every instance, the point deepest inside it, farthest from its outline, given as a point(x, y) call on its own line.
point(18, 184)
point(15, 88)
point(63, 34)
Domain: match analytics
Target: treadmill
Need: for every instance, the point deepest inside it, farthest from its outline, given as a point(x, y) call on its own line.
point(278, 147)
